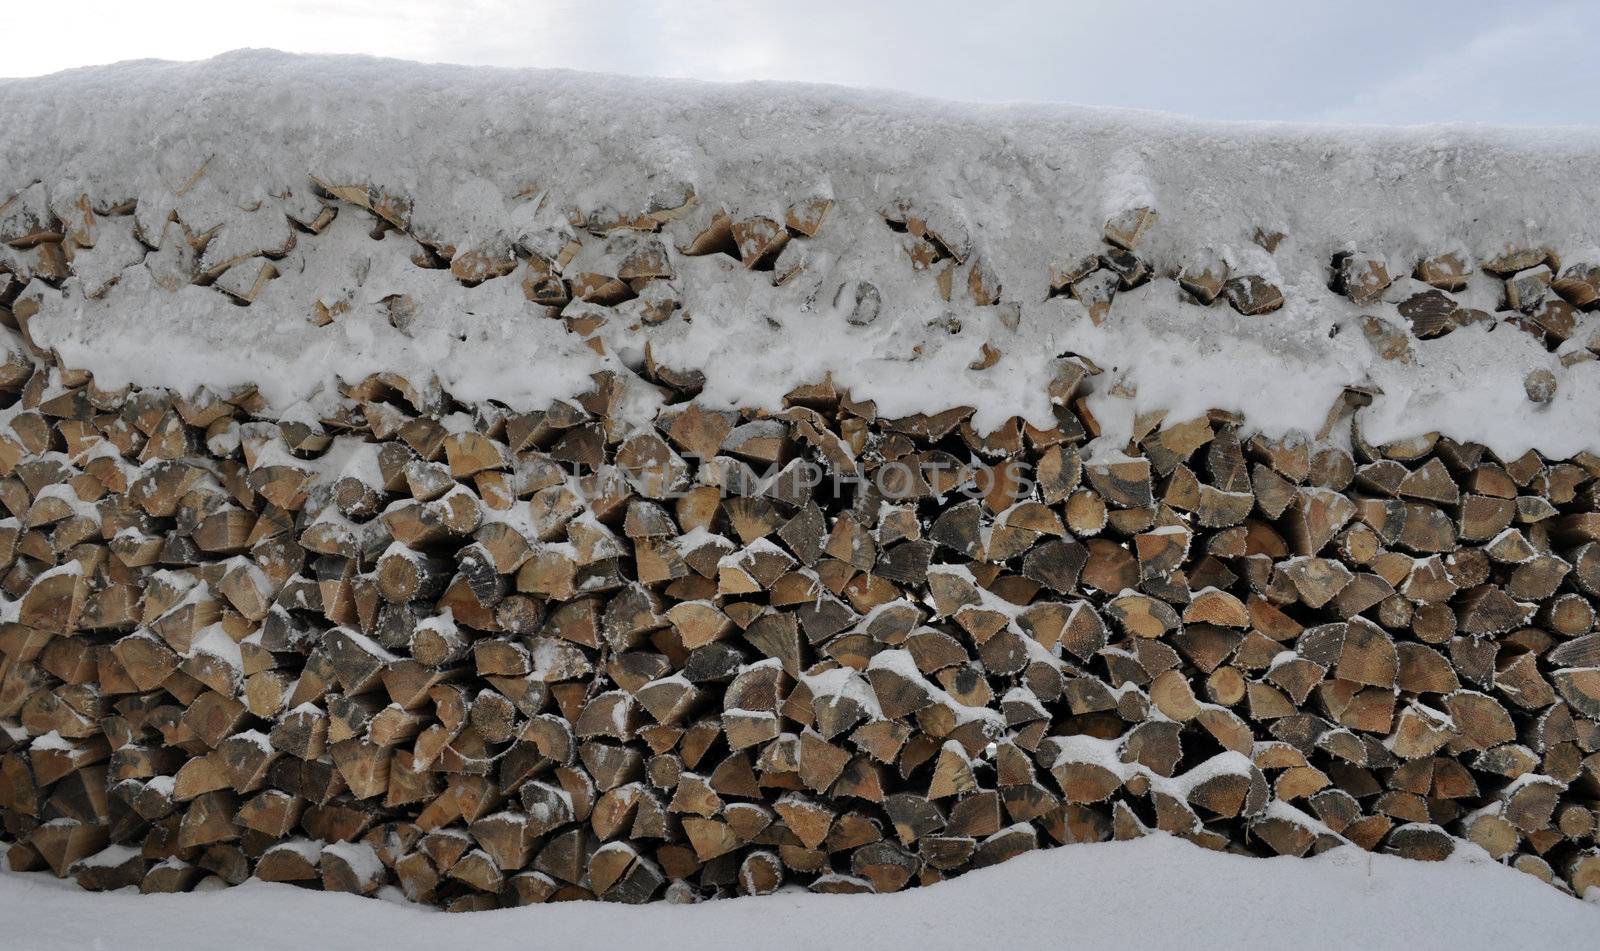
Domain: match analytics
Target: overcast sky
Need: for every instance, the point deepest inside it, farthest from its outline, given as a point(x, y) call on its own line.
point(1388, 61)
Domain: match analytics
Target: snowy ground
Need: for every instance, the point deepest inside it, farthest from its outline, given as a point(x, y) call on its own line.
point(1153, 893)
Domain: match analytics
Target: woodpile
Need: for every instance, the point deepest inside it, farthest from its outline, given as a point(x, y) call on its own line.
point(493, 658)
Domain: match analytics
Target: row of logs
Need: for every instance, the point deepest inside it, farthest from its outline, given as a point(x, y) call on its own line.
point(491, 658)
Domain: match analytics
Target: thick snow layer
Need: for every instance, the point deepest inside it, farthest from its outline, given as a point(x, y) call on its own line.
point(1151, 893)
point(489, 155)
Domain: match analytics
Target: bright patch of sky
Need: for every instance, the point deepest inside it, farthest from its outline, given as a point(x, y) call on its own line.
point(1352, 61)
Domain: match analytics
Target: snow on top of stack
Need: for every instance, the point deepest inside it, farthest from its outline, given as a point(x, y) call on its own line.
point(489, 158)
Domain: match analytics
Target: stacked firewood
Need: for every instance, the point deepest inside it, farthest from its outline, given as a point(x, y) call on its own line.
point(493, 658)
